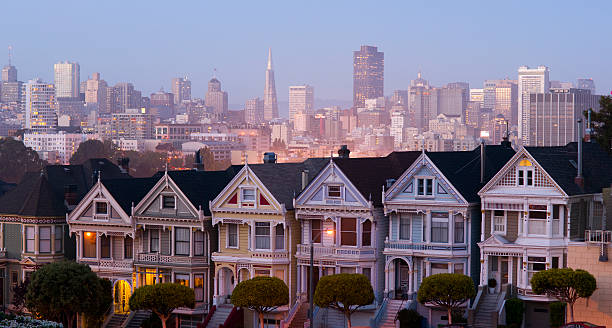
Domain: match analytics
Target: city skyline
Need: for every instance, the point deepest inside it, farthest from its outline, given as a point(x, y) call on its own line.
point(310, 59)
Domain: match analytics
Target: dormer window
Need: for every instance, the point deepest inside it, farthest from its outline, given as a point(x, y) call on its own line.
point(424, 187)
point(248, 195)
point(525, 173)
point(101, 208)
point(334, 192)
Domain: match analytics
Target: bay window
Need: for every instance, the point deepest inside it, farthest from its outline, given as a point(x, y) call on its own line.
point(30, 239)
point(198, 243)
point(154, 241)
point(181, 241)
point(105, 246)
point(439, 227)
point(315, 234)
point(232, 235)
point(348, 231)
point(59, 238)
point(198, 287)
point(424, 187)
point(128, 244)
point(89, 244)
point(499, 222)
point(262, 235)
point(459, 230)
point(44, 239)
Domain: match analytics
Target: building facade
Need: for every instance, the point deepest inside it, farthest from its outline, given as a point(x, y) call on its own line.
point(368, 75)
point(67, 83)
point(301, 100)
point(530, 80)
point(181, 89)
point(40, 106)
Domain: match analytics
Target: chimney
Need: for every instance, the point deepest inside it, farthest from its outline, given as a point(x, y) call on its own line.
point(304, 179)
point(579, 179)
point(197, 163)
point(344, 152)
point(269, 157)
point(124, 164)
point(482, 161)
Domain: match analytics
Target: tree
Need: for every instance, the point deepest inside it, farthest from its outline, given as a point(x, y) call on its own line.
point(210, 163)
point(261, 294)
point(446, 290)
point(95, 317)
point(162, 299)
point(602, 122)
point(344, 292)
point(16, 159)
point(93, 149)
point(19, 294)
point(61, 290)
point(567, 285)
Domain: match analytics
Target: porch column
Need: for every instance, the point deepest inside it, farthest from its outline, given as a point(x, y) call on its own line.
point(525, 279)
point(387, 280)
point(428, 227)
point(36, 239)
point(252, 241)
point(411, 278)
point(191, 234)
point(171, 241)
point(272, 237)
point(510, 269)
point(525, 223)
point(451, 227)
point(484, 269)
point(549, 231)
point(482, 225)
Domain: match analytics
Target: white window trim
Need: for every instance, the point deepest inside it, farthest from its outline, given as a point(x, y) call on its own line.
point(161, 201)
point(525, 169)
point(269, 236)
point(242, 201)
point(443, 220)
point(425, 178)
point(101, 216)
point(505, 231)
point(51, 238)
point(237, 237)
point(327, 196)
point(158, 240)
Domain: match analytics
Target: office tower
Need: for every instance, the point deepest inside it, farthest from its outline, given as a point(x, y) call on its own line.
point(125, 96)
point(9, 72)
point(398, 124)
point(368, 75)
point(162, 104)
point(215, 97)
point(181, 88)
point(506, 100)
point(453, 98)
point(270, 101)
point(95, 92)
point(587, 84)
point(133, 124)
point(67, 83)
point(477, 95)
point(553, 116)
point(39, 102)
point(301, 99)
point(254, 111)
point(400, 97)
point(530, 80)
point(472, 113)
point(488, 97)
point(422, 106)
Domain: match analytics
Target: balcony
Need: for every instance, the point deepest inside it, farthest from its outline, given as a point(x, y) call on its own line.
point(598, 236)
point(407, 245)
point(278, 255)
point(158, 259)
point(334, 251)
point(108, 263)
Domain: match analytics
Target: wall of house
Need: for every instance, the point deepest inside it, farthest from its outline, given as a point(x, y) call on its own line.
point(475, 218)
point(12, 240)
point(598, 309)
point(512, 222)
point(294, 238)
point(381, 226)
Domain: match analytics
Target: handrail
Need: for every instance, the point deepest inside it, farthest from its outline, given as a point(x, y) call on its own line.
point(209, 316)
point(500, 317)
point(108, 314)
point(476, 300)
point(292, 312)
point(234, 317)
point(128, 319)
point(375, 321)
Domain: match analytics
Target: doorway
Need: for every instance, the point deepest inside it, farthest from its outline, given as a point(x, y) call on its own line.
point(123, 291)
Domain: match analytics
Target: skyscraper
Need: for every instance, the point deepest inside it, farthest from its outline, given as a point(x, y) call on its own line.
point(9, 72)
point(587, 84)
point(124, 97)
point(67, 79)
point(216, 98)
point(181, 88)
point(10, 88)
point(40, 106)
point(254, 111)
point(530, 80)
point(270, 101)
point(301, 100)
point(95, 92)
point(368, 75)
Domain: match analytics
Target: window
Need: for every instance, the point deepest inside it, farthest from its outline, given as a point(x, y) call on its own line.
point(348, 270)
point(168, 202)
point(521, 177)
point(198, 287)
point(128, 245)
point(348, 232)
point(232, 235)
point(279, 242)
point(59, 238)
point(315, 234)
point(105, 247)
point(262, 235)
point(154, 241)
point(89, 244)
point(439, 227)
point(366, 233)
point(499, 222)
point(44, 239)
point(438, 268)
point(367, 272)
point(334, 192)
point(459, 230)
point(535, 264)
point(102, 208)
point(248, 195)
point(29, 237)
point(404, 227)
point(424, 187)
point(181, 241)
point(262, 273)
point(458, 268)
point(555, 262)
point(530, 178)
point(198, 243)
point(525, 173)
point(182, 279)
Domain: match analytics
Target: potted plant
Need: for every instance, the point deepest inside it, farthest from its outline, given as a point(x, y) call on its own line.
point(492, 284)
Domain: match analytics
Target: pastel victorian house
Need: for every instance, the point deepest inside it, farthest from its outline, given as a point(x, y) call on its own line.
point(542, 198)
point(346, 198)
point(432, 208)
point(258, 232)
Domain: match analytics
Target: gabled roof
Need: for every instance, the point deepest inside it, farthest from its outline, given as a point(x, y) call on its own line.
point(33, 197)
point(129, 191)
point(462, 168)
point(561, 164)
point(370, 174)
point(284, 180)
point(200, 187)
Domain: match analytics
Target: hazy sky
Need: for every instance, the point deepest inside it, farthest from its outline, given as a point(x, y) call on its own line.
point(149, 42)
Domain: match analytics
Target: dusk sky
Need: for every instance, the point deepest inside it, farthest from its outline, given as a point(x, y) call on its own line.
point(148, 43)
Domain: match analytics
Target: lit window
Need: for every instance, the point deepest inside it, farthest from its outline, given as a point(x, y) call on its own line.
point(89, 244)
point(182, 279)
point(334, 192)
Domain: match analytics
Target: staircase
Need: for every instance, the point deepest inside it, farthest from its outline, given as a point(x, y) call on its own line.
point(388, 320)
point(116, 320)
point(138, 318)
point(220, 315)
point(300, 316)
point(486, 312)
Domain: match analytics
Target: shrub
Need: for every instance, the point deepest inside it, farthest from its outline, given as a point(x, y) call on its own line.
point(557, 314)
point(514, 312)
point(409, 318)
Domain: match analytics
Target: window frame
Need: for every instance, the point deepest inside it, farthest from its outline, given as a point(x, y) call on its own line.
point(99, 215)
point(157, 238)
point(313, 230)
point(28, 239)
point(459, 220)
point(94, 237)
point(228, 237)
point(365, 233)
point(401, 217)
point(41, 240)
point(197, 242)
point(263, 236)
point(425, 186)
point(103, 239)
point(505, 222)
point(437, 221)
point(58, 238)
point(167, 197)
point(344, 232)
point(249, 189)
point(181, 242)
point(339, 191)
point(277, 237)
point(128, 250)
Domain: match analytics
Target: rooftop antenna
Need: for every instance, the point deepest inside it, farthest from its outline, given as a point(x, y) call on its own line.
point(10, 54)
point(215, 72)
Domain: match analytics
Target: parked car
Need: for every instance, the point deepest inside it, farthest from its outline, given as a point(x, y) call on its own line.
point(581, 324)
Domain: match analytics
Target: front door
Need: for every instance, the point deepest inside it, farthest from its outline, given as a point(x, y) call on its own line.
point(123, 291)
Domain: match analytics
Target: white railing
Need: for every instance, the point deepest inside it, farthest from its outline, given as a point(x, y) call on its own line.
point(537, 227)
point(108, 263)
point(408, 245)
point(598, 236)
point(270, 255)
point(169, 259)
point(335, 251)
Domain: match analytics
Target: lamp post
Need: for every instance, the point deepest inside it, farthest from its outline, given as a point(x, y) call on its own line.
point(310, 279)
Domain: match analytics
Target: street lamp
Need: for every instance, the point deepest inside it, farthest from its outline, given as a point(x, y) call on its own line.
point(311, 280)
